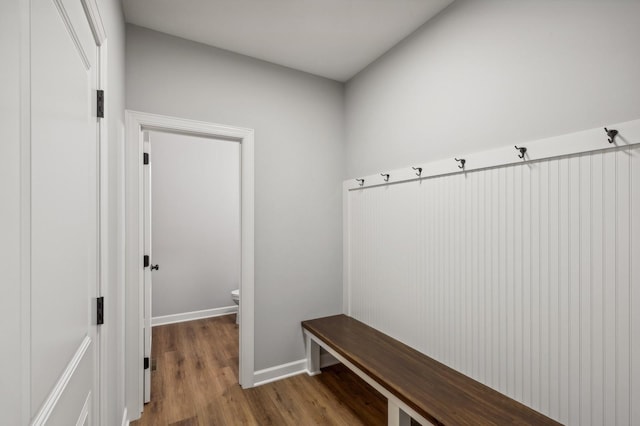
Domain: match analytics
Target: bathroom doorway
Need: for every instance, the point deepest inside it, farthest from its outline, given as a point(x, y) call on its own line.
point(194, 228)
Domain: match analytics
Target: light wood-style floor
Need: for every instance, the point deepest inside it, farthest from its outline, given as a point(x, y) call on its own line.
point(195, 382)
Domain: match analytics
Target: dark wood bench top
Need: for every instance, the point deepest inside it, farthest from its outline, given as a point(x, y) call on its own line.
point(438, 393)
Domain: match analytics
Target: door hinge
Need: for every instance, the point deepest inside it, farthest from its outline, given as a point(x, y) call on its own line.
point(100, 310)
point(146, 261)
point(146, 362)
point(100, 103)
point(145, 159)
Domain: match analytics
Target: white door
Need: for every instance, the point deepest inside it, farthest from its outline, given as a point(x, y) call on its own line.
point(64, 215)
point(148, 267)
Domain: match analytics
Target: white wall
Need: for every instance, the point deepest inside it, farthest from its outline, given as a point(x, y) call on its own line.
point(487, 74)
point(195, 222)
point(299, 162)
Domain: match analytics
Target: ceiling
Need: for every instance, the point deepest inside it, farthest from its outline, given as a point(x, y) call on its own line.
point(330, 38)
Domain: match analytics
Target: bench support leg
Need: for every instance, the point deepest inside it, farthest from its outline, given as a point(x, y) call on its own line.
point(397, 417)
point(313, 356)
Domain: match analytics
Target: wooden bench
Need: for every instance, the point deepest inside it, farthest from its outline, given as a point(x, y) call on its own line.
point(415, 385)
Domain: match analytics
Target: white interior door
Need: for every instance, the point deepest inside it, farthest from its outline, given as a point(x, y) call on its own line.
point(148, 267)
point(64, 215)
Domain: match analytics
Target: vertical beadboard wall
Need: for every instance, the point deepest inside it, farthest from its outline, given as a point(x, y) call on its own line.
point(524, 277)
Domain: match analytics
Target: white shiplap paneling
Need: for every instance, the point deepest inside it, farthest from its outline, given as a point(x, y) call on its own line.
point(522, 277)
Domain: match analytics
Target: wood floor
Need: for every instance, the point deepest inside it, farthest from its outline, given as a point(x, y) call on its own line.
point(195, 382)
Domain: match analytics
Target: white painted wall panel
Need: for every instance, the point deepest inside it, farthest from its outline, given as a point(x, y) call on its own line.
point(521, 277)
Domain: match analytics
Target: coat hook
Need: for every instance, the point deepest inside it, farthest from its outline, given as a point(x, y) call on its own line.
point(461, 161)
point(419, 171)
point(612, 134)
point(385, 176)
point(522, 150)
point(360, 182)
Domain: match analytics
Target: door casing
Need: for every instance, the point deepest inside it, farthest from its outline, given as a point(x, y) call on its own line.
point(135, 123)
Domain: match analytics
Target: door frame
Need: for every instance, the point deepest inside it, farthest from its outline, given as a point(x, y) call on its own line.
point(135, 123)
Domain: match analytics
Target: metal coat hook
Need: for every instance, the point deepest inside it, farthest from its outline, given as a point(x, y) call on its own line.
point(522, 150)
point(611, 134)
point(385, 176)
point(419, 171)
point(360, 181)
point(462, 161)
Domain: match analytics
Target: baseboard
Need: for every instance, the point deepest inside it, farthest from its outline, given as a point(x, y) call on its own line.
point(279, 372)
point(190, 316)
point(125, 420)
point(289, 369)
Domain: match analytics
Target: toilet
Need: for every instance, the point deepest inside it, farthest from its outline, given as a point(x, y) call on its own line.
point(235, 295)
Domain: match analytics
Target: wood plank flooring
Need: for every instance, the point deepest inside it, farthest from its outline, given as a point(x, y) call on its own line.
point(195, 382)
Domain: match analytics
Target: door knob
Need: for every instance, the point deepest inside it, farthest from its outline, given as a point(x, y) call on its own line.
point(156, 267)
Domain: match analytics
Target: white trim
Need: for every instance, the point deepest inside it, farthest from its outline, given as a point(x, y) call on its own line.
point(147, 279)
point(72, 32)
point(121, 281)
point(102, 332)
point(57, 391)
point(404, 407)
point(279, 372)
point(557, 146)
point(84, 413)
point(195, 315)
point(185, 125)
point(95, 21)
point(135, 123)
point(25, 209)
point(125, 420)
point(346, 247)
point(133, 271)
point(283, 371)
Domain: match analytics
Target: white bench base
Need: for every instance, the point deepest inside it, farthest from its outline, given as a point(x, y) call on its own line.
point(399, 413)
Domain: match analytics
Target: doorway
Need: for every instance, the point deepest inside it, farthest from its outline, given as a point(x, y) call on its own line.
point(192, 230)
point(194, 247)
point(138, 324)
